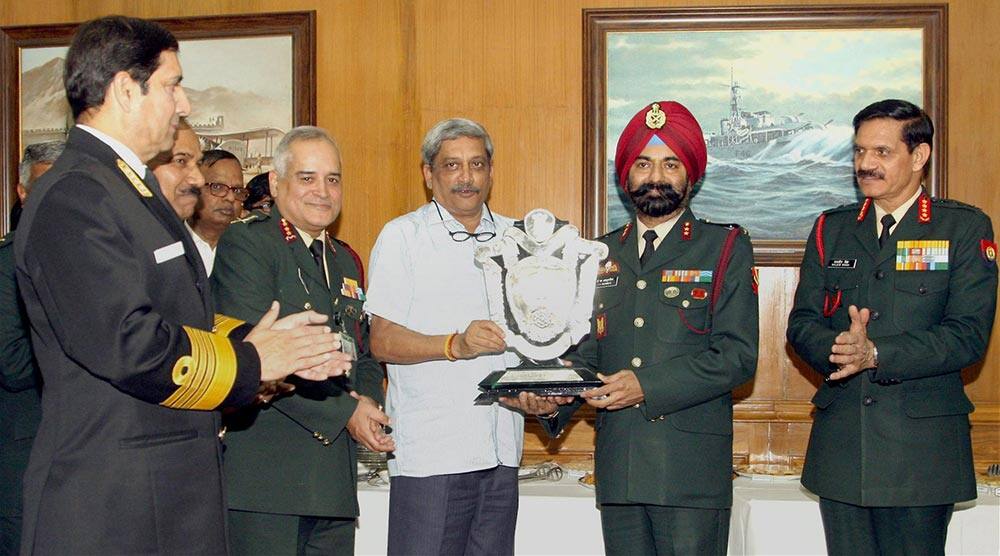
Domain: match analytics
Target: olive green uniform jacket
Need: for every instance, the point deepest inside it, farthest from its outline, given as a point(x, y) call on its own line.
point(897, 435)
point(675, 448)
point(273, 463)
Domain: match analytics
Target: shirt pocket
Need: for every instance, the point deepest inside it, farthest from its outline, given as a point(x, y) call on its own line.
point(920, 298)
point(840, 291)
point(684, 312)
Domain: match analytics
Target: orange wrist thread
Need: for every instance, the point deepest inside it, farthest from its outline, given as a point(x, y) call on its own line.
point(448, 345)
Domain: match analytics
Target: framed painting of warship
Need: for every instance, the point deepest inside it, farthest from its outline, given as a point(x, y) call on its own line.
point(775, 90)
point(250, 78)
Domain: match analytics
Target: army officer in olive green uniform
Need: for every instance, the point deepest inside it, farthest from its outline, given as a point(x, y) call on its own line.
point(305, 441)
point(674, 330)
point(896, 295)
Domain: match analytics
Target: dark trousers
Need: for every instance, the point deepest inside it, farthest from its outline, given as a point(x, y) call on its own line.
point(256, 533)
point(462, 513)
point(859, 530)
point(10, 535)
point(642, 529)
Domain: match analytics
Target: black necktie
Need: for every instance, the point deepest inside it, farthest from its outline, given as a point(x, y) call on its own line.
point(316, 248)
point(887, 222)
point(647, 251)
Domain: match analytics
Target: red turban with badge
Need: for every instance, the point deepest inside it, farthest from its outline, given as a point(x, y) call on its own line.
point(673, 124)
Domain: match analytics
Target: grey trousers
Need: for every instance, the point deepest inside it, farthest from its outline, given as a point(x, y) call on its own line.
point(464, 513)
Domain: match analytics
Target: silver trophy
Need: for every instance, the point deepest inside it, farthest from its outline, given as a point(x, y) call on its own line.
point(540, 278)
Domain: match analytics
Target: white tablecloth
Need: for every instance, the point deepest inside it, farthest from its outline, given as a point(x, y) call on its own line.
point(769, 517)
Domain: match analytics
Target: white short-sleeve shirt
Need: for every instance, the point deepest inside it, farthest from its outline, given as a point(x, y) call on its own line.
point(422, 279)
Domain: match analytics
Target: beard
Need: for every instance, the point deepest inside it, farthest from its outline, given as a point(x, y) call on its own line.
point(656, 199)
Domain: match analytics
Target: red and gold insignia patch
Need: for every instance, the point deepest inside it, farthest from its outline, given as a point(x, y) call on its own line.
point(699, 293)
point(924, 209)
point(601, 324)
point(988, 249)
point(625, 232)
point(288, 231)
point(864, 208)
point(755, 273)
point(686, 231)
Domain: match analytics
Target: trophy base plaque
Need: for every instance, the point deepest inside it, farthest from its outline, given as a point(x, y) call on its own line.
point(542, 381)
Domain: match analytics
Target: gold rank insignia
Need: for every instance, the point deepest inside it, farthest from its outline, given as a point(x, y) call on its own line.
point(924, 209)
point(287, 231)
point(686, 231)
point(655, 118)
point(133, 178)
point(205, 376)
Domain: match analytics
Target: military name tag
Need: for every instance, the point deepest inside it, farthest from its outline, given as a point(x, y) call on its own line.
point(168, 252)
point(922, 255)
point(842, 263)
point(607, 282)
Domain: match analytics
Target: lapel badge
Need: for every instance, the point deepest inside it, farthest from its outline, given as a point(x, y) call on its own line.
point(133, 178)
point(699, 293)
point(924, 209)
point(350, 288)
point(288, 231)
point(351, 311)
point(755, 274)
point(864, 209)
point(655, 118)
point(671, 292)
point(988, 249)
point(601, 324)
point(625, 232)
point(686, 230)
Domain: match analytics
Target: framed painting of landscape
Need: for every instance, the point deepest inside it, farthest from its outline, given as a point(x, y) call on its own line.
point(774, 89)
point(250, 78)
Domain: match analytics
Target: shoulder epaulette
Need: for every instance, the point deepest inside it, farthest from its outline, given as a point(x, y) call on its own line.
point(252, 217)
point(849, 207)
point(357, 259)
point(728, 226)
point(952, 203)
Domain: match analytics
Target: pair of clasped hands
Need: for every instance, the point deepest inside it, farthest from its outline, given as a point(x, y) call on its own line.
point(302, 345)
point(852, 351)
point(620, 390)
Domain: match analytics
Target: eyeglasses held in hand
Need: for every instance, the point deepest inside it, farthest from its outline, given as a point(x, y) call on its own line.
point(220, 190)
point(463, 235)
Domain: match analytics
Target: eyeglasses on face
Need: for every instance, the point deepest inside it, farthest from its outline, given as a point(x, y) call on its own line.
point(220, 190)
point(463, 235)
point(266, 204)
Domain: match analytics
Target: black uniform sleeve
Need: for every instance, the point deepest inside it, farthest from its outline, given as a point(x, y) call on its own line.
point(86, 273)
point(17, 363)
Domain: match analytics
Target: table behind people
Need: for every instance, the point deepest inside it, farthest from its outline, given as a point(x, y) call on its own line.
point(127, 458)
point(288, 255)
point(20, 384)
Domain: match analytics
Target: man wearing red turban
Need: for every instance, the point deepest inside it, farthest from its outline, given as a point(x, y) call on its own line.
point(674, 331)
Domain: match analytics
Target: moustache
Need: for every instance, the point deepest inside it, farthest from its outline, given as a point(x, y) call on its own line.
point(467, 187)
point(657, 198)
point(865, 174)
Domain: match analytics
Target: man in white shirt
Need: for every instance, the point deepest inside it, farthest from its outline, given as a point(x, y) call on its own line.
point(220, 201)
point(454, 474)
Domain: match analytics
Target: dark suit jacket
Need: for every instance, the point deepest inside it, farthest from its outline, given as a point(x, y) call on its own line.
point(20, 406)
point(127, 458)
point(898, 435)
point(274, 464)
point(675, 449)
